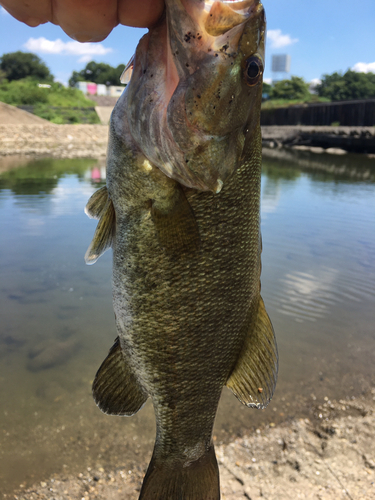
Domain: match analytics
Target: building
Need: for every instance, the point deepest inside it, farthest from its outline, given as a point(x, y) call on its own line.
point(91, 88)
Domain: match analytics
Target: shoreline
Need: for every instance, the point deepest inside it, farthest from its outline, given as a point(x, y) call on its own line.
point(90, 141)
point(329, 457)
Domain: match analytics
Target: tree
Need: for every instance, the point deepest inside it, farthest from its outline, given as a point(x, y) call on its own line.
point(267, 89)
point(351, 85)
point(18, 65)
point(295, 88)
point(98, 73)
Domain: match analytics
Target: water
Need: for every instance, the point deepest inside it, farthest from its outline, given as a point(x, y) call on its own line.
point(57, 324)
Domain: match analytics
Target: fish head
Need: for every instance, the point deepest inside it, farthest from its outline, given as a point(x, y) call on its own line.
point(195, 93)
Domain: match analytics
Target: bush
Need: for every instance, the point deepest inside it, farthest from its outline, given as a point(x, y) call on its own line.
point(22, 92)
point(294, 89)
point(26, 92)
point(351, 85)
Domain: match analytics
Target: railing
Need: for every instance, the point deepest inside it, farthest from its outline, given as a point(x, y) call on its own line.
point(344, 113)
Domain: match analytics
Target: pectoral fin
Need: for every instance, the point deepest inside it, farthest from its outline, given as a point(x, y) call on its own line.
point(96, 203)
point(115, 389)
point(176, 227)
point(254, 377)
point(101, 207)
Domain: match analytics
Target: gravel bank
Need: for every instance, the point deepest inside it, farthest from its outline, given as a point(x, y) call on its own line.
point(90, 141)
point(330, 457)
point(57, 141)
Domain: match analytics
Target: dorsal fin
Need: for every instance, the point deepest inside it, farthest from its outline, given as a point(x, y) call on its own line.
point(105, 229)
point(253, 379)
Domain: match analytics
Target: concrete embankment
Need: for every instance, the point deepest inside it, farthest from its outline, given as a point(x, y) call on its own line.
point(333, 139)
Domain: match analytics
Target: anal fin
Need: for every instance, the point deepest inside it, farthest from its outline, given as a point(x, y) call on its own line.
point(115, 389)
point(253, 379)
point(176, 227)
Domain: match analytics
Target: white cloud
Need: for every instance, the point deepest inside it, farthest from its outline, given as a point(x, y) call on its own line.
point(315, 81)
point(42, 45)
point(364, 67)
point(85, 59)
point(279, 40)
point(267, 80)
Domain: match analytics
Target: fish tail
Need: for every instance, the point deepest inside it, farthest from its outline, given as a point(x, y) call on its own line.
point(198, 480)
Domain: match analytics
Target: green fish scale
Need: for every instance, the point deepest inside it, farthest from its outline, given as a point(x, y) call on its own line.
point(179, 318)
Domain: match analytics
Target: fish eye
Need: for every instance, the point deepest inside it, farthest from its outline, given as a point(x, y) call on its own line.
point(253, 70)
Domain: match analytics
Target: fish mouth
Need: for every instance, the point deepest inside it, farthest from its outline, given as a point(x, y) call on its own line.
point(223, 15)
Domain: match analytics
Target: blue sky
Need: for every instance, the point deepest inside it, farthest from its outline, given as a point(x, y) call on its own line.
point(321, 36)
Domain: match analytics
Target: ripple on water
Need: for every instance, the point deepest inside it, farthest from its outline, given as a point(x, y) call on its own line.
point(310, 296)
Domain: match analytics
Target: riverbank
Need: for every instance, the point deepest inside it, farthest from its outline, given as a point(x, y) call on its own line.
point(335, 140)
point(55, 141)
point(327, 457)
point(90, 141)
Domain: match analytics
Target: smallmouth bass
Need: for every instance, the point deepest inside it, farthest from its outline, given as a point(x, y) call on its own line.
point(181, 213)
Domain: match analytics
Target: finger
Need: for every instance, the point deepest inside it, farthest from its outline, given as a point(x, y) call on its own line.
point(31, 12)
point(85, 20)
point(140, 13)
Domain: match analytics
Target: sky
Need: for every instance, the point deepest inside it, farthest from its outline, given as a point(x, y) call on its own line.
point(321, 36)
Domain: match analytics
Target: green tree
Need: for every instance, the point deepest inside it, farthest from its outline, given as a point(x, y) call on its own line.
point(267, 89)
point(293, 89)
point(18, 65)
point(351, 85)
point(98, 73)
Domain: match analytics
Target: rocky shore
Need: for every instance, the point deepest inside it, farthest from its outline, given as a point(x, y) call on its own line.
point(56, 141)
point(90, 141)
point(328, 457)
point(336, 140)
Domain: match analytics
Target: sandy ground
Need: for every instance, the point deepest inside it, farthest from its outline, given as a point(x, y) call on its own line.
point(330, 457)
point(10, 115)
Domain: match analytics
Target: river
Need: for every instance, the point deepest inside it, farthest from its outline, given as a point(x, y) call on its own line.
point(57, 322)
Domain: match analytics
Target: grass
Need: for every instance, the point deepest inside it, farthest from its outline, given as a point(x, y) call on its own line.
point(284, 103)
point(26, 92)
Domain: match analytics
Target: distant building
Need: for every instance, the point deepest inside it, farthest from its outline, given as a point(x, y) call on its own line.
point(115, 91)
point(100, 89)
point(280, 66)
point(281, 63)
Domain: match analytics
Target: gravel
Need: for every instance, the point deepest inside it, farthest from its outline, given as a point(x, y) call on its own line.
point(331, 456)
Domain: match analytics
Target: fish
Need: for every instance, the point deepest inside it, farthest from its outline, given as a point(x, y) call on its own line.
point(181, 212)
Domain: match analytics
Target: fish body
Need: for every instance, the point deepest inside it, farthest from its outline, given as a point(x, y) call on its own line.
point(181, 212)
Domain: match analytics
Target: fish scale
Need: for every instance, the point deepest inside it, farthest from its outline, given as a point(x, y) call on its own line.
point(186, 256)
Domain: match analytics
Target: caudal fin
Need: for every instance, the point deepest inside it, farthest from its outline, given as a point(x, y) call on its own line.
point(198, 480)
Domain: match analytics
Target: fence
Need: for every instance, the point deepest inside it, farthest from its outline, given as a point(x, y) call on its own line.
point(345, 113)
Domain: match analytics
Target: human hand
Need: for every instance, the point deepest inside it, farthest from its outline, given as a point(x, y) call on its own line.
point(86, 20)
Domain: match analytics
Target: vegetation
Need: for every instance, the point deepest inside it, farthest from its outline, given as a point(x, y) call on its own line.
point(351, 85)
point(19, 65)
point(295, 88)
point(98, 73)
point(27, 92)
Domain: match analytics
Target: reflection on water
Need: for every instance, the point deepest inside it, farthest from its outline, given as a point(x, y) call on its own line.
point(318, 282)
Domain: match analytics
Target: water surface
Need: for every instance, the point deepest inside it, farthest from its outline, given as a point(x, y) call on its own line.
point(57, 323)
